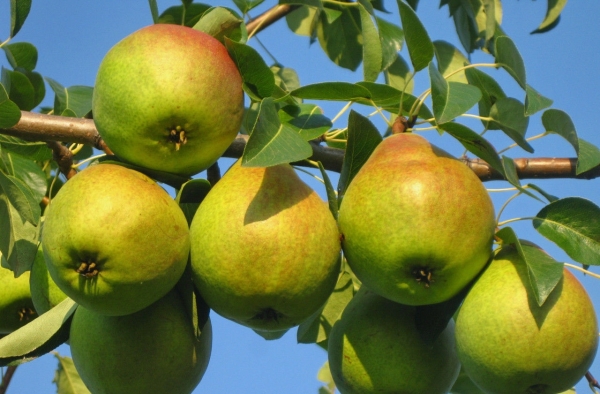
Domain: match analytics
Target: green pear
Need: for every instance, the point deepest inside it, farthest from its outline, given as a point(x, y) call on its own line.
point(509, 344)
point(45, 294)
point(417, 224)
point(168, 98)
point(264, 248)
point(114, 241)
point(376, 348)
point(151, 351)
point(16, 307)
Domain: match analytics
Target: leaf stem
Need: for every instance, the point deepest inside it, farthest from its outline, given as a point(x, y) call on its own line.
point(515, 220)
point(575, 267)
point(342, 111)
point(310, 173)
point(535, 137)
point(88, 160)
point(505, 205)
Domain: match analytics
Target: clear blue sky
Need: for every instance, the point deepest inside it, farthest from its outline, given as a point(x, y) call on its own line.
point(72, 36)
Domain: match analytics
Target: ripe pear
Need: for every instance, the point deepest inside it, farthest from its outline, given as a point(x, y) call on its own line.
point(509, 344)
point(417, 224)
point(168, 98)
point(16, 307)
point(151, 351)
point(45, 294)
point(376, 348)
point(114, 241)
point(265, 248)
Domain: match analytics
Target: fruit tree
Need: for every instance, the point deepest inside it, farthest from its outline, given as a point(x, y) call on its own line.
point(299, 196)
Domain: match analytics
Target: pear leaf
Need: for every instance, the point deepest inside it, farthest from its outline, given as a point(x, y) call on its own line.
point(449, 60)
point(509, 58)
point(19, 9)
point(490, 91)
point(75, 101)
point(34, 150)
point(331, 195)
point(535, 102)
point(392, 38)
point(221, 22)
point(420, 47)
point(21, 197)
point(18, 238)
point(509, 115)
point(38, 337)
point(363, 138)
point(67, 378)
point(272, 142)
point(153, 10)
point(334, 91)
point(21, 54)
point(573, 224)
point(306, 119)
point(544, 272)
point(511, 175)
point(588, 156)
point(398, 76)
point(190, 196)
point(271, 335)
point(552, 17)
point(175, 14)
point(450, 99)
point(372, 52)
point(258, 79)
point(10, 114)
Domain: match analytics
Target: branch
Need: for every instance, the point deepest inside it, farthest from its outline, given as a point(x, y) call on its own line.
point(10, 371)
point(269, 17)
point(39, 127)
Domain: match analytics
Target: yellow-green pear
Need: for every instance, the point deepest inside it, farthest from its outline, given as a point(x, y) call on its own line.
point(508, 344)
point(16, 307)
point(376, 348)
point(417, 224)
point(264, 248)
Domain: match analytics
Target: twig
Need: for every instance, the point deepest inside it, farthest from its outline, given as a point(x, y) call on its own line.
point(269, 17)
point(10, 371)
point(63, 157)
point(593, 382)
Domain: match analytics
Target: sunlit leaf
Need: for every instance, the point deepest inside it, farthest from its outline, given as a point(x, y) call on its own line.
point(21, 54)
point(588, 156)
point(221, 22)
point(67, 378)
point(449, 60)
point(245, 5)
point(552, 17)
point(190, 196)
point(398, 75)
point(509, 114)
point(450, 99)
point(19, 9)
point(340, 38)
point(257, 77)
point(392, 38)
point(509, 58)
point(175, 14)
point(339, 91)
point(535, 102)
point(10, 114)
point(544, 272)
point(420, 47)
point(306, 119)
point(372, 52)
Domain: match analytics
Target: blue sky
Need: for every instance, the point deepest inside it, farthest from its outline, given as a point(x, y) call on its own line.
point(72, 36)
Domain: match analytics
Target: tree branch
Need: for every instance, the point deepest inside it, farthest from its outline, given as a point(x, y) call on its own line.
point(39, 127)
point(269, 17)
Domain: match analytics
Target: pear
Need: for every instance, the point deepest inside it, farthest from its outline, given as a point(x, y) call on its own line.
point(264, 248)
point(376, 348)
point(509, 344)
point(151, 351)
point(45, 294)
point(16, 307)
point(114, 241)
point(168, 98)
point(417, 224)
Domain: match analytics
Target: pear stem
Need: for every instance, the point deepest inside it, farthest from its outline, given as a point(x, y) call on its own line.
point(6, 377)
point(593, 382)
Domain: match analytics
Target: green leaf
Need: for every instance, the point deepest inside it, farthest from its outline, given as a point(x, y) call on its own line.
point(332, 199)
point(303, 21)
point(285, 77)
point(399, 76)
point(221, 22)
point(450, 99)
point(20, 196)
point(547, 196)
point(35, 150)
point(450, 59)
point(588, 156)
point(19, 9)
point(544, 272)
point(341, 38)
point(18, 238)
point(67, 378)
point(535, 102)
point(466, 27)
point(271, 335)
point(363, 138)
point(271, 142)
point(335, 91)
point(21, 54)
point(153, 10)
point(392, 38)
point(510, 173)
point(27, 171)
point(20, 89)
point(190, 195)
point(244, 5)
point(174, 15)
point(490, 93)
point(38, 337)
point(509, 114)
point(306, 119)
point(372, 52)
point(420, 47)
point(389, 98)
point(316, 328)
point(573, 224)
point(10, 114)
point(74, 101)
point(324, 376)
point(257, 77)
point(464, 385)
point(311, 3)
point(475, 144)
point(552, 17)
point(509, 58)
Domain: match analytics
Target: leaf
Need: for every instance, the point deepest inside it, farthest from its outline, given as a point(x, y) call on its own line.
point(190, 196)
point(271, 335)
point(392, 38)
point(18, 238)
point(221, 22)
point(324, 376)
point(331, 195)
point(535, 102)
point(257, 77)
point(74, 101)
point(398, 76)
point(450, 99)
point(335, 91)
point(19, 9)
point(475, 144)
point(573, 224)
point(244, 5)
point(21, 54)
point(389, 98)
point(552, 17)
point(38, 337)
point(20, 196)
point(306, 119)
point(509, 58)
point(510, 173)
point(464, 385)
point(490, 93)
point(175, 14)
point(509, 115)
point(420, 47)
point(588, 157)
point(363, 138)
point(10, 114)
point(153, 10)
point(27, 171)
point(285, 77)
point(449, 60)
point(271, 142)
point(544, 272)
point(20, 89)
point(303, 21)
point(340, 38)
point(316, 328)
point(371, 48)
point(35, 150)
point(67, 378)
